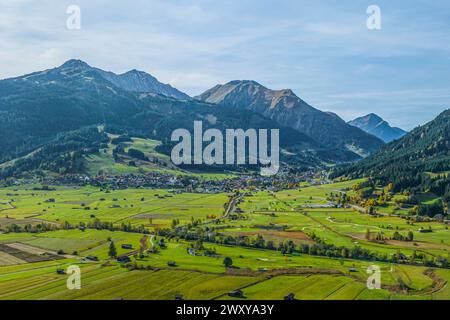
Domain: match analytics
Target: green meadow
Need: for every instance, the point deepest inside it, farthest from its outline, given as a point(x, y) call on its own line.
point(288, 215)
point(153, 208)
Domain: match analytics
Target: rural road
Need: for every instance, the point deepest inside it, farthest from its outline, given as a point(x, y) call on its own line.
point(151, 241)
point(231, 205)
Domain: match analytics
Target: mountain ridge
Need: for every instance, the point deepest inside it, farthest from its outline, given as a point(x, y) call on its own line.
point(288, 109)
point(37, 108)
point(377, 126)
point(426, 149)
point(133, 80)
point(140, 81)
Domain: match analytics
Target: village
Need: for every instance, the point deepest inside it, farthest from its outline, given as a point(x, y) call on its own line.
point(182, 183)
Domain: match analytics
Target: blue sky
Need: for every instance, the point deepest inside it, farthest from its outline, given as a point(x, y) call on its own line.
point(322, 50)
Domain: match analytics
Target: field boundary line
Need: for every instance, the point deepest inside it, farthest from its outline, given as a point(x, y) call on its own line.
point(337, 289)
point(244, 287)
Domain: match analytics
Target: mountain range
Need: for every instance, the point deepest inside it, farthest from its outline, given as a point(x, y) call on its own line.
point(284, 107)
point(53, 109)
point(139, 81)
point(375, 125)
point(411, 160)
point(40, 110)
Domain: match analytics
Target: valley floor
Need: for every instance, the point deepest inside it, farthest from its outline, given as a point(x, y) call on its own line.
point(32, 264)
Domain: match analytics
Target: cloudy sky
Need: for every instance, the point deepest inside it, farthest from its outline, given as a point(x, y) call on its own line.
point(322, 50)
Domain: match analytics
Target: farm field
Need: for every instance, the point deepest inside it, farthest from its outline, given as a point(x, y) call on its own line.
point(164, 266)
point(152, 208)
point(285, 211)
point(206, 278)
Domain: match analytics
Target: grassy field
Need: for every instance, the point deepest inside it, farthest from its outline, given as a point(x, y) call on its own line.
point(315, 287)
point(289, 211)
point(104, 162)
point(153, 208)
point(198, 277)
point(260, 274)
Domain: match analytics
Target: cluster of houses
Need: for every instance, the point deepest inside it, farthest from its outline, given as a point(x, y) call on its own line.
point(149, 180)
point(162, 180)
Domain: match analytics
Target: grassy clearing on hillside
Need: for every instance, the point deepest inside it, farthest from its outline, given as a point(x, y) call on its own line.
point(104, 162)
